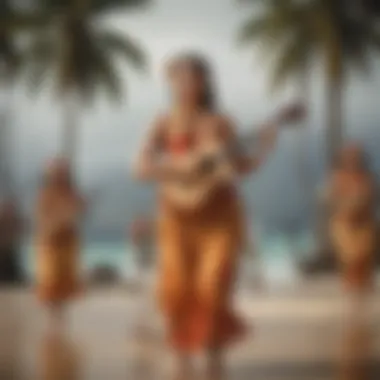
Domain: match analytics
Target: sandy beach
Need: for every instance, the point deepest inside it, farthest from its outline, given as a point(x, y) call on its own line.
point(296, 333)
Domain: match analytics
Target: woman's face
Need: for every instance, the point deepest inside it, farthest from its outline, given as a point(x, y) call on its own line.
point(59, 176)
point(187, 85)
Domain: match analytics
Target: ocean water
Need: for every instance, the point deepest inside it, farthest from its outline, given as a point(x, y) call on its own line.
point(274, 255)
point(116, 254)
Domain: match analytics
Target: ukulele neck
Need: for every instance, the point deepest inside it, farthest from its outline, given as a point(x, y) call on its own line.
point(245, 142)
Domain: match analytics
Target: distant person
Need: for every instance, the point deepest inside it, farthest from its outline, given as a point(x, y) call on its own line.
point(353, 200)
point(11, 228)
point(198, 246)
point(58, 213)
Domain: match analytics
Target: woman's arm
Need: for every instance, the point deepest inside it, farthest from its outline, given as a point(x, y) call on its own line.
point(144, 168)
point(244, 163)
point(267, 140)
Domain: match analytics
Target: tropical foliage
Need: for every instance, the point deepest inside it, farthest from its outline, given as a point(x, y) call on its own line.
point(13, 23)
point(80, 55)
point(292, 34)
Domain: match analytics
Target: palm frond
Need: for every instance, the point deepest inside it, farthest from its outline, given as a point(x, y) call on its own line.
point(85, 67)
point(80, 54)
point(13, 23)
point(292, 58)
point(276, 21)
point(91, 6)
point(106, 76)
point(253, 30)
point(76, 49)
point(374, 39)
point(356, 49)
point(39, 59)
point(37, 77)
point(19, 22)
point(8, 50)
point(124, 46)
point(100, 6)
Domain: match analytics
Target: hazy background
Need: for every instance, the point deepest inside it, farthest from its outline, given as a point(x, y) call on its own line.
point(111, 134)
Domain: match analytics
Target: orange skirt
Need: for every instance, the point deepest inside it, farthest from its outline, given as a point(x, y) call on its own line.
point(57, 271)
point(198, 256)
point(356, 248)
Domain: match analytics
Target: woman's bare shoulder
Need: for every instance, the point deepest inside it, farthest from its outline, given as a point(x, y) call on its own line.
point(222, 123)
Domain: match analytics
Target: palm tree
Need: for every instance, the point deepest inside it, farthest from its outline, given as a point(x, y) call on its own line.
point(293, 34)
point(15, 22)
point(284, 44)
point(80, 56)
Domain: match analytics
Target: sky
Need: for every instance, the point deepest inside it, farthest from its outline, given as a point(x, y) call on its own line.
point(109, 135)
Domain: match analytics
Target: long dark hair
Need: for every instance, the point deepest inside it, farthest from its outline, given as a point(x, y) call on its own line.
point(200, 65)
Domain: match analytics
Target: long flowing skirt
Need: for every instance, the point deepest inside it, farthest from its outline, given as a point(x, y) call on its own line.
point(198, 257)
point(57, 270)
point(355, 246)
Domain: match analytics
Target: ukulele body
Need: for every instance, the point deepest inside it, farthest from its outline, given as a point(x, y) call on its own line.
point(207, 169)
point(202, 178)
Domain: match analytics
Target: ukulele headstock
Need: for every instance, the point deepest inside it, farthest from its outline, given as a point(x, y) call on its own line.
point(291, 114)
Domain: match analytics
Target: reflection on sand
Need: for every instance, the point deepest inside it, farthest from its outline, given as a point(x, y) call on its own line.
point(58, 359)
point(11, 333)
point(294, 338)
point(356, 353)
point(148, 352)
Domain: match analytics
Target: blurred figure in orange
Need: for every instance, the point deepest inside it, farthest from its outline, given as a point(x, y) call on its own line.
point(59, 209)
point(352, 193)
point(10, 239)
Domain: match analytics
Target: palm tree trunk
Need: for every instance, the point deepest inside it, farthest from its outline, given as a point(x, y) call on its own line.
point(334, 133)
point(10, 265)
point(303, 169)
point(6, 90)
point(70, 128)
point(325, 259)
point(334, 138)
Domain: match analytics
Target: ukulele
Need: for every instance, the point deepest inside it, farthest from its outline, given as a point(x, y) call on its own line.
point(212, 165)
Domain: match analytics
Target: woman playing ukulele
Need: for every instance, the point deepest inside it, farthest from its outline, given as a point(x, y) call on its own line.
point(198, 247)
